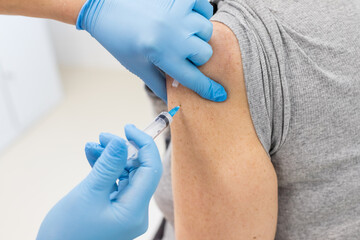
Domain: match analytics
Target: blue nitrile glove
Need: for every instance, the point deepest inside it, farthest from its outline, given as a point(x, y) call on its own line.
point(144, 35)
point(90, 211)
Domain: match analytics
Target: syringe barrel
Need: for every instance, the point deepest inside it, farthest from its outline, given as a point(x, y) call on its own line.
point(160, 123)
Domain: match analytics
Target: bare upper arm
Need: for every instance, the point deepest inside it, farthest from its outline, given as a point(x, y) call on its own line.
point(224, 184)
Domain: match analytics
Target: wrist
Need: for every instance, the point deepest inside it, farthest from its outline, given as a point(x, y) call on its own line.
point(60, 10)
point(68, 10)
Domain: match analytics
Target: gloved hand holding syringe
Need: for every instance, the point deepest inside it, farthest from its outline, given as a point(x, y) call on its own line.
point(161, 122)
point(154, 129)
point(87, 213)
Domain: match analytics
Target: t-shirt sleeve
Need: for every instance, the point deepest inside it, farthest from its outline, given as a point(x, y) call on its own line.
point(264, 65)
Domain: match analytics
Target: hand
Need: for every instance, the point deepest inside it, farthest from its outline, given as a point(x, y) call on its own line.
point(146, 35)
point(90, 211)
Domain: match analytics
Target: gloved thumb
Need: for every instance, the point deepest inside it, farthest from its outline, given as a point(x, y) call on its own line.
point(143, 183)
point(109, 166)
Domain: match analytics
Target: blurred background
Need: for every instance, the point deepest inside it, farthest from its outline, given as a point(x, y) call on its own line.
point(58, 90)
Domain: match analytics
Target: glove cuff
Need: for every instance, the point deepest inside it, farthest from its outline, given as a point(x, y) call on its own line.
point(87, 14)
point(82, 14)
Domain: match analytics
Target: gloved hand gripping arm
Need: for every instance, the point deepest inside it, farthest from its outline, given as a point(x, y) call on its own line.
point(145, 35)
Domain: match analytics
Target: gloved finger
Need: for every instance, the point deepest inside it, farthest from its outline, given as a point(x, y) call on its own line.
point(200, 51)
point(201, 26)
point(188, 75)
point(105, 138)
point(144, 181)
point(109, 166)
point(140, 138)
point(204, 8)
point(154, 79)
point(93, 151)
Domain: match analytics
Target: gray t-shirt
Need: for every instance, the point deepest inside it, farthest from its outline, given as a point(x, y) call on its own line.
point(301, 63)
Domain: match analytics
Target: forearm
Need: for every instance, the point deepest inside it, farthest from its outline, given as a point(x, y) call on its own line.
point(61, 10)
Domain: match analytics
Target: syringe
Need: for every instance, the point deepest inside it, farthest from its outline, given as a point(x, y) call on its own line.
point(161, 122)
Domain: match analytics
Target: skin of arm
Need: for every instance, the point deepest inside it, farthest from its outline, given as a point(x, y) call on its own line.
point(61, 10)
point(224, 184)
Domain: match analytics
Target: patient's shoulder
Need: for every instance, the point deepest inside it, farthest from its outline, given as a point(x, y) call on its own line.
point(226, 53)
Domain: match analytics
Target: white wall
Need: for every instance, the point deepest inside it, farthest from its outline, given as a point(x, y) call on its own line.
point(78, 48)
point(29, 80)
